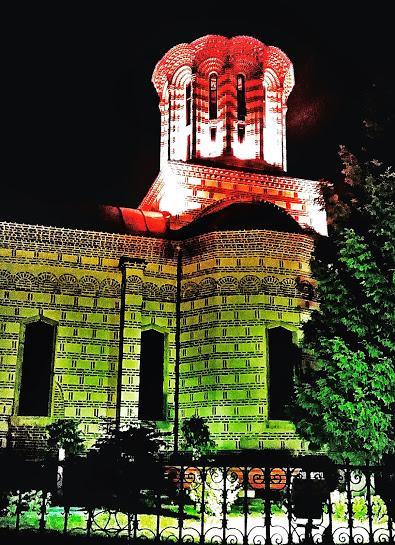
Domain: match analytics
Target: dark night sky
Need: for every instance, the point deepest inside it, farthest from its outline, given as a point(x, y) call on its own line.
point(84, 118)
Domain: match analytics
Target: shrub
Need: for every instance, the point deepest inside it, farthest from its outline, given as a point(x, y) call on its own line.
point(133, 443)
point(65, 434)
point(379, 509)
point(30, 501)
point(196, 435)
point(214, 492)
point(360, 509)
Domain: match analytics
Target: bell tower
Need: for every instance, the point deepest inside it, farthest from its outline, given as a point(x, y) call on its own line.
point(223, 104)
point(223, 101)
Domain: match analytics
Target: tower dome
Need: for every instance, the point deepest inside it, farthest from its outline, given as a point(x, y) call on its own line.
point(223, 100)
point(223, 104)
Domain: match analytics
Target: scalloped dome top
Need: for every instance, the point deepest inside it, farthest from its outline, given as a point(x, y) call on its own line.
point(214, 53)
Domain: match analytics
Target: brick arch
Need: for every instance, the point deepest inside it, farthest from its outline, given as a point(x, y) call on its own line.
point(228, 284)
point(69, 283)
point(223, 203)
point(182, 76)
point(245, 56)
point(277, 61)
point(270, 284)
point(250, 284)
point(219, 205)
point(89, 284)
point(168, 292)
point(25, 281)
point(150, 290)
point(210, 54)
point(6, 280)
point(47, 281)
point(208, 286)
point(110, 287)
point(271, 80)
point(210, 66)
point(205, 45)
point(190, 290)
point(288, 285)
point(180, 55)
point(134, 284)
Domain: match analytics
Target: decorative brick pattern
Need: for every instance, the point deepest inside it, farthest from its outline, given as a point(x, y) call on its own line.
point(235, 285)
point(269, 79)
point(205, 189)
point(72, 277)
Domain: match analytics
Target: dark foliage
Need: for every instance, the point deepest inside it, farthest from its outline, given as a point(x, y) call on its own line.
point(345, 402)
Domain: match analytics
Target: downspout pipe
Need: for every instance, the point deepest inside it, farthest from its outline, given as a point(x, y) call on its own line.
point(123, 262)
point(178, 349)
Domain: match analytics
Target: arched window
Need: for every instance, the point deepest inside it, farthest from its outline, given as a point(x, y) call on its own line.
point(241, 98)
point(283, 359)
point(213, 94)
point(188, 103)
point(151, 395)
point(38, 352)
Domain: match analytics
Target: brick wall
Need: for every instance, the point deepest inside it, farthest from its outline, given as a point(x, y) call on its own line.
point(235, 285)
point(204, 187)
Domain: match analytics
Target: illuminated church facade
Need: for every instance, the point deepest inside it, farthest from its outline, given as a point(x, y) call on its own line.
point(190, 305)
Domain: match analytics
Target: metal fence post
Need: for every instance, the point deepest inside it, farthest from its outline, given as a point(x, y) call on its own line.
point(18, 511)
point(43, 510)
point(288, 484)
point(203, 504)
point(349, 501)
point(268, 517)
point(224, 506)
point(181, 504)
point(245, 505)
point(368, 474)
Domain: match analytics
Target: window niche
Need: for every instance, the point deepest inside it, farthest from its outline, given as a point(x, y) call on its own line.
point(283, 362)
point(36, 369)
point(152, 371)
point(241, 97)
point(213, 96)
point(188, 103)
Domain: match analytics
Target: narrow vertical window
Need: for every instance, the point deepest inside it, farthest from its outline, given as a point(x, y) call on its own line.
point(241, 131)
point(151, 395)
point(213, 134)
point(188, 156)
point(35, 390)
point(213, 83)
point(283, 355)
point(188, 103)
point(241, 98)
point(169, 126)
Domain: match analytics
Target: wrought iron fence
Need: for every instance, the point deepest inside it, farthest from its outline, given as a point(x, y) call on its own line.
point(209, 502)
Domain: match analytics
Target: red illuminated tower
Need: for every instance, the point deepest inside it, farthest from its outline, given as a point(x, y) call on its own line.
point(223, 130)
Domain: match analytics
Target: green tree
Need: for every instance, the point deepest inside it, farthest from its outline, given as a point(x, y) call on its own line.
point(345, 401)
point(196, 436)
point(64, 433)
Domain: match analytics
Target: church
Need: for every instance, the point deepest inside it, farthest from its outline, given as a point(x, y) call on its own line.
point(191, 304)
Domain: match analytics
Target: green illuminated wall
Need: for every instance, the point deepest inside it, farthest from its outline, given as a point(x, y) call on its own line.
point(235, 286)
point(72, 277)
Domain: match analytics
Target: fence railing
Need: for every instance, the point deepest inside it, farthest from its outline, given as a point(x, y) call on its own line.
point(211, 502)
